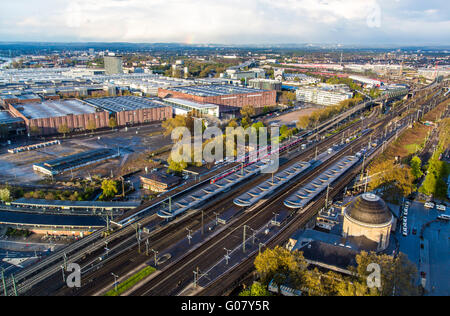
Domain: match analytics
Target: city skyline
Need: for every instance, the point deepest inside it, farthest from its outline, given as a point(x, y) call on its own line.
point(346, 22)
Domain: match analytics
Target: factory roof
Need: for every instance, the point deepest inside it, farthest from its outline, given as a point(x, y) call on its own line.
point(7, 118)
point(190, 104)
point(128, 103)
point(55, 108)
point(215, 90)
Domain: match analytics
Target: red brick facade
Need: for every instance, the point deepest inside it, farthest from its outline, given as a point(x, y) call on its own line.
point(257, 99)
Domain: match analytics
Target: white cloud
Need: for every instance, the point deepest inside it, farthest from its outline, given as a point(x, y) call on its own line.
point(222, 21)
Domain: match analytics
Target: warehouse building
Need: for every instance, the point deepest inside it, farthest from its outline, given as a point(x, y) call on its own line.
point(225, 95)
point(132, 110)
point(45, 118)
point(265, 84)
point(11, 126)
point(182, 107)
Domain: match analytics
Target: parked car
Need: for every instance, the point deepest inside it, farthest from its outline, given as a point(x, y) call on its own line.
point(429, 205)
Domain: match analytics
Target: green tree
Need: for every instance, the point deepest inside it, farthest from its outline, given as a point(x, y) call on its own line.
point(176, 166)
point(109, 188)
point(257, 289)
point(416, 167)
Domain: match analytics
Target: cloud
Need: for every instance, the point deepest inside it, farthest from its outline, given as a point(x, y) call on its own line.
point(227, 21)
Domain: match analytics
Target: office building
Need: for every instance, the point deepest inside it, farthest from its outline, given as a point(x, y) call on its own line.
point(113, 65)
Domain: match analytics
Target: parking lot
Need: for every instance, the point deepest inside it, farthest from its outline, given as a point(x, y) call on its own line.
point(431, 255)
point(18, 168)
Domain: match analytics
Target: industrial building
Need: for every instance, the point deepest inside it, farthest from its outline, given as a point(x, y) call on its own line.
point(182, 107)
point(238, 74)
point(324, 94)
point(226, 95)
point(60, 165)
point(45, 118)
point(11, 126)
point(265, 84)
point(159, 182)
point(132, 110)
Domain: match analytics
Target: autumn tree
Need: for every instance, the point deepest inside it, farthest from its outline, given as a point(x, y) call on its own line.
point(64, 129)
point(280, 265)
point(257, 289)
point(112, 123)
point(109, 188)
point(5, 195)
point(398, 274)
point(91, 125)
point(35, 130)
point(176, 166)
point(248, 111)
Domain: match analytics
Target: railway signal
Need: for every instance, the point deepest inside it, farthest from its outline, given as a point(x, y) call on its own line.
point(189, 236)
point(115, 281)
point(227, 256)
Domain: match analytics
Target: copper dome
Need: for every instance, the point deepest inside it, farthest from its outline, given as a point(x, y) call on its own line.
point(369, 209)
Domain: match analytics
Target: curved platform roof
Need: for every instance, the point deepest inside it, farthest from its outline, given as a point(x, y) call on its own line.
point(307, 193)
point(201, 195)
point(253, 196)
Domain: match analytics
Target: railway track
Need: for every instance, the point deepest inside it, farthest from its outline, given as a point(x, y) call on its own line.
point(177, 232)
point(119, 240)
point(166, 283)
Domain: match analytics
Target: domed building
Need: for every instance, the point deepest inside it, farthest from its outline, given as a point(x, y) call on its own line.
point(368, 217)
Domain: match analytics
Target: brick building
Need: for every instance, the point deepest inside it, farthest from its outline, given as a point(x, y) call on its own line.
point(225, 95)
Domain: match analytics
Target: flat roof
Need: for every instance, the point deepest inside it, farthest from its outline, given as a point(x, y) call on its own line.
point(128, 103)
point(215, 90)
point(55, 108)
point(31, 219)
point(7, 118)
point(191, 104)
point(77, 160)
point(76, 204)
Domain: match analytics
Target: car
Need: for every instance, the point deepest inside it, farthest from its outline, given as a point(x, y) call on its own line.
point(405, 233)
point(429, 205)
point(405, 212)
point(441, 207)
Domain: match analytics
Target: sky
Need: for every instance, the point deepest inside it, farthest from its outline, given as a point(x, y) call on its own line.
point(347, 22)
